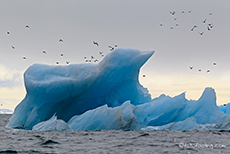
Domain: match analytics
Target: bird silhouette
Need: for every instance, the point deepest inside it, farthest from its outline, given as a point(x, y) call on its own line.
point(8, 33)
point(201, 33)
point(27, 26)
point(94, 42)
point(193, 28)
point(214, 63)
point(12, 47)
point(208, 28)
point(61, 54)
point(67, 62)
point(61, 40)
point(84, 57)
point(189, 11)
point(111, 48)
point(44, 52)
point(143, 75)
point(208, 71)
point(161, 24)
point(100, 52)
point(210, 25)
point(172, 12)
point(24, 58)
point(182, 12)
point(225, 104)
point(199, 70)
point(57, 62)
point(204, 20)
point(191, 67)
point(95, 60)
point(92, 57)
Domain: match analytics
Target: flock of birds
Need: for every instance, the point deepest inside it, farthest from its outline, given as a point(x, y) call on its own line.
point(207, 71)
point(193, 28)
point(91, 59)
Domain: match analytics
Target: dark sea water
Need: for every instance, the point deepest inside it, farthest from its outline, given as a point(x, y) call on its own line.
point(112, 141)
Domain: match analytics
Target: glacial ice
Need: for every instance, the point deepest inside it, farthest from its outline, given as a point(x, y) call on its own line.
point(74, 89)
point(108, 95)
point(225, 108)
point(53, 124)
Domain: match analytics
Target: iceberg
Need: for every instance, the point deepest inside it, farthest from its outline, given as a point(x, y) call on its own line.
point(108, 95)
point(74, 89)
point(53, 124)
point(6, 111)
point(225, 108)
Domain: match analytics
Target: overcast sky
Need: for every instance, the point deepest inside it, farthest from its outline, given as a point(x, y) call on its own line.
point(128, 24)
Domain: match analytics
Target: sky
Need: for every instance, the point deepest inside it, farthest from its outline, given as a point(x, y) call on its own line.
point(129, 24)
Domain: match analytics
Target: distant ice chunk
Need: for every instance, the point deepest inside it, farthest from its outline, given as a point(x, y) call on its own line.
point(53, 124)
point(6, 111)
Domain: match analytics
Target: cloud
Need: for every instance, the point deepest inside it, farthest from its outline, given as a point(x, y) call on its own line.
point(10, 77)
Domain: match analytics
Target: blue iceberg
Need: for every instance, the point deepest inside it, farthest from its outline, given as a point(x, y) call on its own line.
point(108, 95)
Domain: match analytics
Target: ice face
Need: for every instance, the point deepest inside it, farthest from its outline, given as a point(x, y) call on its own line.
point(108, 95)
point(73, 89)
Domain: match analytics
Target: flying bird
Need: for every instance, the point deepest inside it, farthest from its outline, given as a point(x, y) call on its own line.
point(61, 40)
point(84, 57)
point(161, 24)
point(8, 33)
point(172, 13)
point(191, 67)
point(214, 63)
point(193, 28)
point(100, 52)
point(204, 20)
point(44, 52)
point(67, 62)
point(208, 28)
point(57, 62)
point(12, 47)
point(94, 42)
point(92, 57)
point(24, 57)
point(95, 60)
point(208, 71)
point(61, 54)
point(182, 12)
point(111, 48)
point(201, 33)
point(199, 70)
point(189, 11)
point(27, 26)
point(143, 75)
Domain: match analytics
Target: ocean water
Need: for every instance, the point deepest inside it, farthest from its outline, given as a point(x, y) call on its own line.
point(112, 141)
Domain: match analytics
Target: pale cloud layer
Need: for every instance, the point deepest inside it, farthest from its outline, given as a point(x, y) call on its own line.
point(193, 85)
